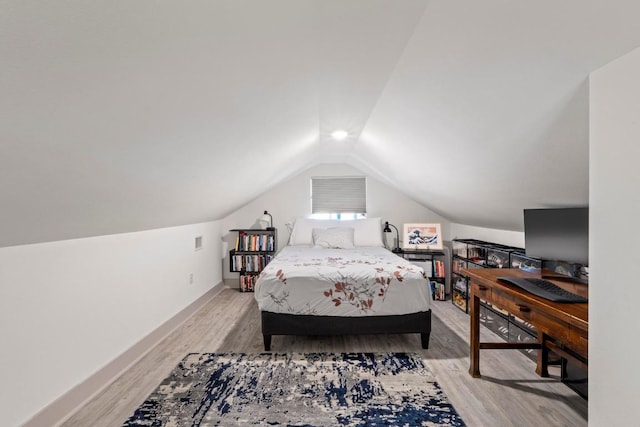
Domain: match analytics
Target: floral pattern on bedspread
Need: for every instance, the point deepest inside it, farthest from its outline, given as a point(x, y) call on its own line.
point(339, 282)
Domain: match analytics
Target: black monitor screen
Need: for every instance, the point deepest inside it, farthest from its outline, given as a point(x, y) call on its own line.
point(557, 234)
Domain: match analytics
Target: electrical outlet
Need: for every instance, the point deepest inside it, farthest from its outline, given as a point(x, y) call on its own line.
point(191, 278)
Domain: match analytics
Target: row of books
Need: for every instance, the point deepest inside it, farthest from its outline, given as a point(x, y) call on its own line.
point(255, 242)
point(248, 282)
point(438, 291)
point(439, 268)
point(252, 263)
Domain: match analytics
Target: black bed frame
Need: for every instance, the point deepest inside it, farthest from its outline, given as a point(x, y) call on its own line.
point(295, 324)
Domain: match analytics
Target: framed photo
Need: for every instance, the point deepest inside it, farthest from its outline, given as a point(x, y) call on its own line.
point(422, 236)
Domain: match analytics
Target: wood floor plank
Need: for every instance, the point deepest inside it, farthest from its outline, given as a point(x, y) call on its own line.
point(509, 393)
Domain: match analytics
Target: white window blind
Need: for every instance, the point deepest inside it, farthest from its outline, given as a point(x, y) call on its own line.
point(338, 195)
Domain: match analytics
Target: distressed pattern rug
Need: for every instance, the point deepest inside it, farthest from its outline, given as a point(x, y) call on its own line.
point(313, 389)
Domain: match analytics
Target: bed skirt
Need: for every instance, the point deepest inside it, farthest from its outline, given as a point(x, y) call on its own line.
point(296, 324)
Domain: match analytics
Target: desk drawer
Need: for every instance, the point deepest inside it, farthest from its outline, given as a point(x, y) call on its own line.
point(579, 341)
point(543, 323)
point(481, 291)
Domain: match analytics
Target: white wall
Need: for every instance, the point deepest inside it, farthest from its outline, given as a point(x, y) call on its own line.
point(503, 237)
point(68, 308)
point(614, 294)
point(291, 199)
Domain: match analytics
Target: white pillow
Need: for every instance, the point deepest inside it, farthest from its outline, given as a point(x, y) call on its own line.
point(334, 237)
point(366, 232)
point(303, 228)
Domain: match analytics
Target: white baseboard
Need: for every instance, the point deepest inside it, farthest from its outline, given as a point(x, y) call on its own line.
point(231, 283)
point(66, 405)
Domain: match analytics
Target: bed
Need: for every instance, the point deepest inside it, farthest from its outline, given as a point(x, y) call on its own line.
point(337, 278)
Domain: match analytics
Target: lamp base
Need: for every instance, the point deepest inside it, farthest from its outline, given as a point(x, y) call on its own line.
point(270, 228)
point(396, 250)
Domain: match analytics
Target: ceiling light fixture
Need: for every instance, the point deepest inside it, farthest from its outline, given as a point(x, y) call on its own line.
point(339, 134)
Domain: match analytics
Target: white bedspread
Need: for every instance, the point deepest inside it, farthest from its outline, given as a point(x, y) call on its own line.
point(364, 281)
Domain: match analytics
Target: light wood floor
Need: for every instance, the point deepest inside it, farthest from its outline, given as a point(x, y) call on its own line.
point(508, 394)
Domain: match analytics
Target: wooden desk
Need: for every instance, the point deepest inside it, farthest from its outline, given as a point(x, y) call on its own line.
point(562, 328)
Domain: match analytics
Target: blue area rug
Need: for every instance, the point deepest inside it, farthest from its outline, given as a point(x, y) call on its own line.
point(314, 389)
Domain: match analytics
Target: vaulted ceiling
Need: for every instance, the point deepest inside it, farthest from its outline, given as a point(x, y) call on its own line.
point(127, 115)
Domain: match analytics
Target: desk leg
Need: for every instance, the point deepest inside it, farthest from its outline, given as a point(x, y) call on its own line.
point(542, 361)
point(474, 340)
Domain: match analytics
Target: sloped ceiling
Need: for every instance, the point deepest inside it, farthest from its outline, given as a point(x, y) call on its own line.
point(120, 116)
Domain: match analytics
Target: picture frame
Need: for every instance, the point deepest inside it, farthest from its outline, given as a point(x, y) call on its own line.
point(423, 236)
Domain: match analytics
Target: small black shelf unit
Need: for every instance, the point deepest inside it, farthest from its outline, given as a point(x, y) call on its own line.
point(437, 274)
point(252, 252)
point(472, 253)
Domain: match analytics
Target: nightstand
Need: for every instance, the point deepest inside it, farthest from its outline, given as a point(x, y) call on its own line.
point(433, 263)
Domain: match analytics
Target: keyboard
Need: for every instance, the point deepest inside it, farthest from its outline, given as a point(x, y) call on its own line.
point(544, 289)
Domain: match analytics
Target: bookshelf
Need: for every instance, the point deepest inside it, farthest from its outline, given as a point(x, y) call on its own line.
point(252, 251)
point(472, 253)
point(434, 265)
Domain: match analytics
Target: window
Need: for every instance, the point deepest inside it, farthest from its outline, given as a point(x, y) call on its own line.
point(339, 216)
point(338, 197)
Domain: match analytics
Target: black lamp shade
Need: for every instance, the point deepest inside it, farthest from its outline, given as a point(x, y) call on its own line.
point(270, 227)
point(387, 229)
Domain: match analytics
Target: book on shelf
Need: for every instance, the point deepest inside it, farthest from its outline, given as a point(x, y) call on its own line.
point(439, 268)
point(248, 283)
point(254, 242)
point(438, 290)
point(250, 263)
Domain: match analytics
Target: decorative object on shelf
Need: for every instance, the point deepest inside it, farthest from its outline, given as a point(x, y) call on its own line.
point(267, 218)
point(396, 248)
point(422, 236)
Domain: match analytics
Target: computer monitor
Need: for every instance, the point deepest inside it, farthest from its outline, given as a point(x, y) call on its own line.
point(559, 234)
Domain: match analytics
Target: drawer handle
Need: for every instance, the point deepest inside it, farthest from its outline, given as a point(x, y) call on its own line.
point(482, 288)
point(523, 308)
